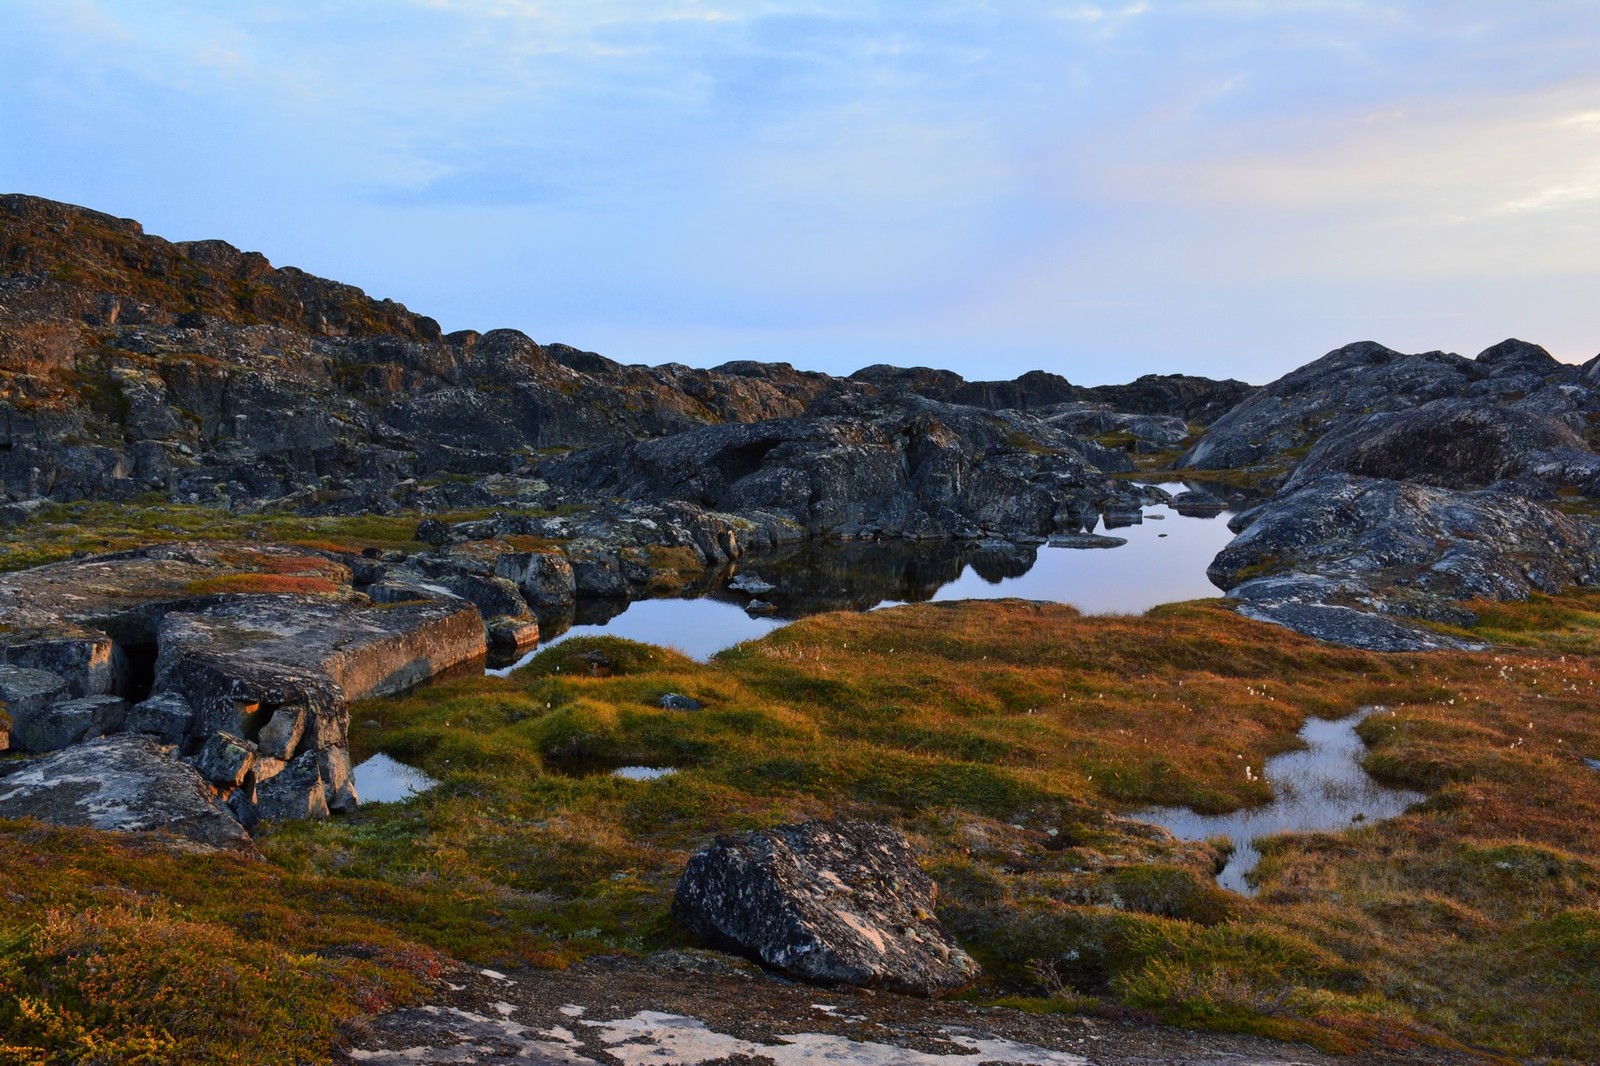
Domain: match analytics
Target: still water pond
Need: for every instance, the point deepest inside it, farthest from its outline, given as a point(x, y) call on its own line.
point(1320, 789)
point(1163, 561)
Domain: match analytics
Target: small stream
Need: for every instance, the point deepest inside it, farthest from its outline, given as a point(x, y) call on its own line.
point(1319, 789)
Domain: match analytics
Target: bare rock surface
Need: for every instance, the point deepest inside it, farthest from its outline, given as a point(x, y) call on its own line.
point(1291, 414)
point(692, 1008)
point(1329, 555)
point(829, 902)
point(127, 783)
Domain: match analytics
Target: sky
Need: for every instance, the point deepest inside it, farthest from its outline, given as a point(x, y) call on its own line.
point(1101, 190)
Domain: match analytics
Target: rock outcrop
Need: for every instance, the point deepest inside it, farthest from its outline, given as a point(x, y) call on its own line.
point(129, 364)
point(830, 902)
point(1398, 548)
point(1276, 425)
point(241, 659)
point(916, 468)
point(126, 783)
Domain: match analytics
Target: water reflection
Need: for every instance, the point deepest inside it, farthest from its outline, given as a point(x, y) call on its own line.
point(383, 780)
point(1164, 560)
point(1319, 789)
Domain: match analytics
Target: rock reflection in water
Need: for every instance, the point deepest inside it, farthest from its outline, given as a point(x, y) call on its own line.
point(817, 576)
point(1318, 789)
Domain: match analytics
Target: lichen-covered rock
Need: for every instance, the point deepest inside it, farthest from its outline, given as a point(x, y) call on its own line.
point(281, 735)
point(1458, 444)
point(240, 660)
point(1273, 424)
point(830, 902)
point(125, 782)
point(296, 792)
point(545, 578)
point(1328, 557)
point(166, 715)
point(71, 722)
point(25, 694)
point(225, 759)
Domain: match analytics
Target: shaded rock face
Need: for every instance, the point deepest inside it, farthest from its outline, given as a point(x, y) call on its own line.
point(127, 783)
point(203, 372)
point(920, 469)
point(1183, 396)
point(1292, 413)
point(830, 902)
point(1397, 548)
point(1458, 444)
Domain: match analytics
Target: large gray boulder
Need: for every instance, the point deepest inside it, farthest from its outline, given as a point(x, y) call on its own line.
point(831, 902)
point(126, 783)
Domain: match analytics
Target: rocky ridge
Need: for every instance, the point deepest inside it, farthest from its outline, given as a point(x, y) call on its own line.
point(1410, 484)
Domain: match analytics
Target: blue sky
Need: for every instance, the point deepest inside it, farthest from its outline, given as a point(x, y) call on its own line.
point(1229, 187)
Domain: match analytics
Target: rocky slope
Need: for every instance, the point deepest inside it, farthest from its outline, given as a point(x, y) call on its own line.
point(1409, 485)
point(129, 364)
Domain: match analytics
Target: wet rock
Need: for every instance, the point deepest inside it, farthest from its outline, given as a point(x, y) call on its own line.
point(1086, 540)
point(760, 607)
point(830, 902)
point(166, 715)
point(673, 701)
point(127, 783)
point(297, 792)
point(752, 584)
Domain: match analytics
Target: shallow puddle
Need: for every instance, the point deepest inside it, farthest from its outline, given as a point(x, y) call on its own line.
point(643, 773)
point(1319, 789)
point(383, 780)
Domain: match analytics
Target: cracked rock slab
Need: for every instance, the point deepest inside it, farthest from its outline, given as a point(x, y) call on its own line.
point(125, 783)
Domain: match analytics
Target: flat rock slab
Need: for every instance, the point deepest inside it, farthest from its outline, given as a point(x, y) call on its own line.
point(689, 1007)
point(840, 903)
point(65, 617)
point(126, 783)
point(272, 651)
point(1354, 629)
point(1086, 540)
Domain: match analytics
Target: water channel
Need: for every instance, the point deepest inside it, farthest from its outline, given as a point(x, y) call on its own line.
point(1319, 789)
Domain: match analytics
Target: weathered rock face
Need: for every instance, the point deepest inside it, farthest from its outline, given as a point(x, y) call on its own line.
point(238, 662)
point(1397, 548)
point(1458, 444)
point(921, 469)
point(1184, 396)
point(831, 902)
point(1274, 424)
point(246, 683)
point(127, 783)
point(203, 372)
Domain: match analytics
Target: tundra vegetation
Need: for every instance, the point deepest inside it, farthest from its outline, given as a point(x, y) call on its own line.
point(1005, 738)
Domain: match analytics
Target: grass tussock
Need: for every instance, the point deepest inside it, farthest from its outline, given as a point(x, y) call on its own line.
point(1006, 739)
